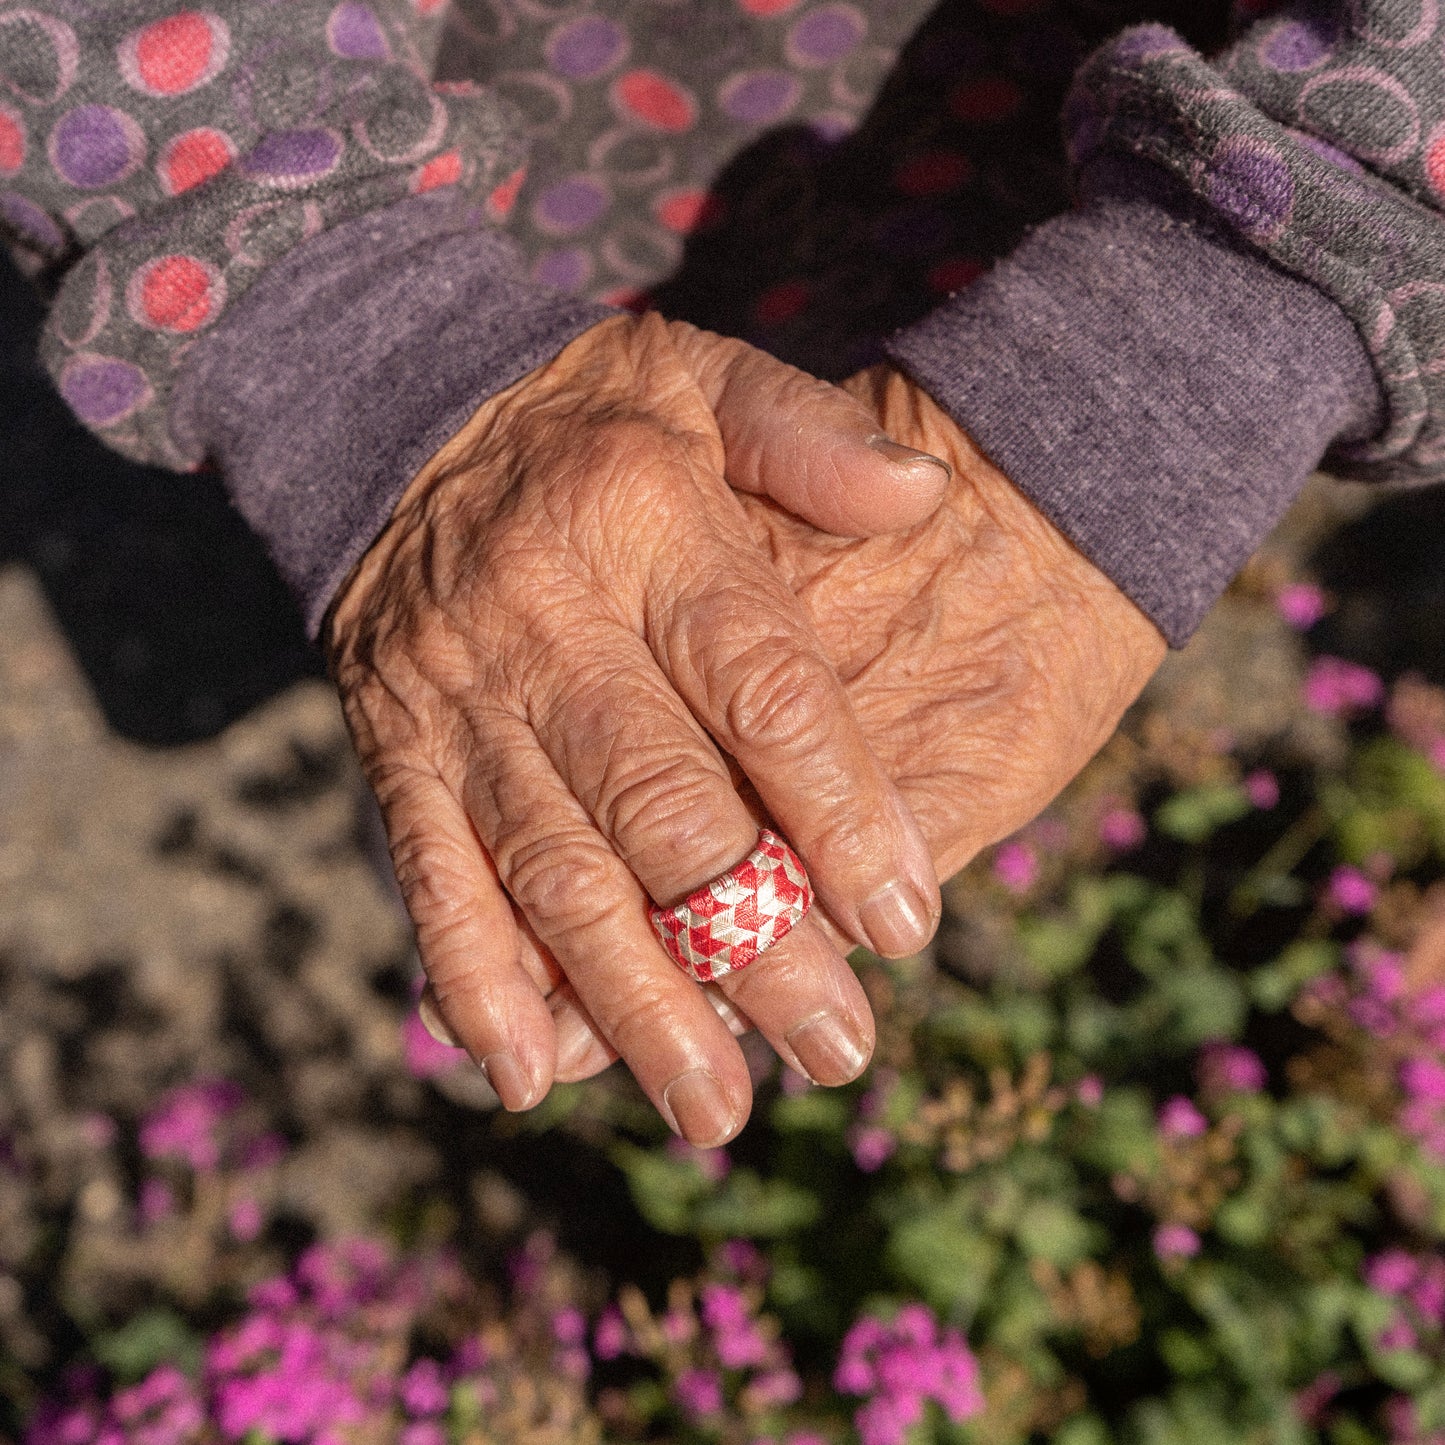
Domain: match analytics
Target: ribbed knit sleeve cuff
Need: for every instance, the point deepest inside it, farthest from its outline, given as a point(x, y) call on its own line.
point(336, 377)
point(1159, 391)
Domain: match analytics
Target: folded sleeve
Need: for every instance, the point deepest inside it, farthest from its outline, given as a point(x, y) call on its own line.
point(201, 189)
point(1254, 279)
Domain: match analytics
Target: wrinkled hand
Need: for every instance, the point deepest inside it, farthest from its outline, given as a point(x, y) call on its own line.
point(986, 658)
point(565, 621)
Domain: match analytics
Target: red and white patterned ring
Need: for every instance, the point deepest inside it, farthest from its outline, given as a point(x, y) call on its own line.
point(726, 924)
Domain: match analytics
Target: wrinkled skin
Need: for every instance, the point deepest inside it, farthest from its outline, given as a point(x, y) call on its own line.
point(564, 639)
point(986, 658)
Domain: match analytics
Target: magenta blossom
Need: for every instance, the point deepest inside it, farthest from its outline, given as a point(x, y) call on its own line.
point(1261, 787)
point(1180, 1119)
point(1337, 688)
point(901, 1366)
point(1016, 866)
point(1301, 604)
point(1231, 1069)
point(699, 1392)
point(425, 1056)
point(1351, 891)
point(1391, 1272)
point(1176, 1241)
point(611, 1337)
point(1122, 829)
point(1089, 1091)
point(872, 1147)
point(184, 1124)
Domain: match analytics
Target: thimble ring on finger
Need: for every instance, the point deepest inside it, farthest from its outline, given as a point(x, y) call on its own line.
point(726, 924)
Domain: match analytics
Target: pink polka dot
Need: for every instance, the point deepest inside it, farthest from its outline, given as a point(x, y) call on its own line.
point(781, 303)
point(12, 142)
point(933, 174)
point(193, 157)
point(504, 196)
point(767, 7)
point(175, 55)
point(690, 210)
point(655, 99)
point(175, 293)
point(1435, 164)
point(442, 170)
point(987, 98)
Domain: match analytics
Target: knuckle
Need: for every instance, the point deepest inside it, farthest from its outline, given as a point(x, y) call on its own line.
point(664, 813)
point(561, 883)
point(641, 1018)
point(784, 701)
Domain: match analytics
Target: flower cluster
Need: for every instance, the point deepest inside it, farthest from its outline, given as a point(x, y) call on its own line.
point(901, 1365)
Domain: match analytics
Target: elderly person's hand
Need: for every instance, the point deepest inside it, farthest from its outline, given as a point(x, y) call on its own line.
point(544, 660)
point(986, 658)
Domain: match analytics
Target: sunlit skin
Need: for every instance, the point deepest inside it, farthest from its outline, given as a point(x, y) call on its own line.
point(553, 702)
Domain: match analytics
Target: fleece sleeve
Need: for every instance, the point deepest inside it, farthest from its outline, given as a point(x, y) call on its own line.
point(254, 218)
point(1252, 280)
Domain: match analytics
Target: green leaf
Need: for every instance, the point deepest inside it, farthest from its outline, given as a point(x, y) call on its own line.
point(154, 1337)
point(1275, 985)
point(816, 1111)
point(1083, 1430)
point(665, 1190)
point(946, 1257)
point(1193, 815)
point(1051, 1230)
point(749, 1206)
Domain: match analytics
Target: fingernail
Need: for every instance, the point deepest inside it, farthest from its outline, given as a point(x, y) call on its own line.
point(830, 1051)
point(575, 1043)
point(896, 921)
point(894, 451)
point(505, 1075)
point(434, 1023)
point(699, 1108)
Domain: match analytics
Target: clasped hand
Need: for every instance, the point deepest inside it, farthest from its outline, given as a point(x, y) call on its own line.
point(636, 607)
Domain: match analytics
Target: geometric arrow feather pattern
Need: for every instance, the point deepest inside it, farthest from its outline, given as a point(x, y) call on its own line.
point(727, 923)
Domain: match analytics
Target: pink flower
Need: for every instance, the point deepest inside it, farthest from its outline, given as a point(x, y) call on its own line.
point(1231, 1069)
point(425, 1056)
point(774, 1388)
point(422, 1389)
point(1176, 1241)
point(1122, 829)
point(1424, 1079)
point(1436, 753)
point(1179, 1119)
point(245, 1219)
point(1016, 866)
point(1261, 787)
point(1089, 1091)
point(422, 1432)
point(743, 1258)
point(699, 1392)
point(1301, 604)
point(611, 1336)
point(1391, 1272)
point(1399, 1334)
point(1351, 891)
point(1428, 1296)
point(1335, 687)
point(183, 1125)
point(872, 1147)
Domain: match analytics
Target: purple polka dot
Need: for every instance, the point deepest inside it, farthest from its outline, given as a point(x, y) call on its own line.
point(760, 96)
point(825, 35)
point(586, 47)
point(568, 270)
point(33, 225)
point(293, 155)
point(570, 205)
point(1146, 42)
point(102, 391)
point(94, 145)
point(1294, 46)
point(1252, 186)
point(1336, 157)
point(355, 33)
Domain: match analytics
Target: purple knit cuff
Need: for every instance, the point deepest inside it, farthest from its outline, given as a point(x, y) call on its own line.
point(1160, 392)
point(341, 372)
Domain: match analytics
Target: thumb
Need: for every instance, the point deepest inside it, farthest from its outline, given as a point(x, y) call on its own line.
point(816, 451)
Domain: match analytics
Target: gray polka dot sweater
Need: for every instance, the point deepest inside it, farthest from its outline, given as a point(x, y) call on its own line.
point(303, 239)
